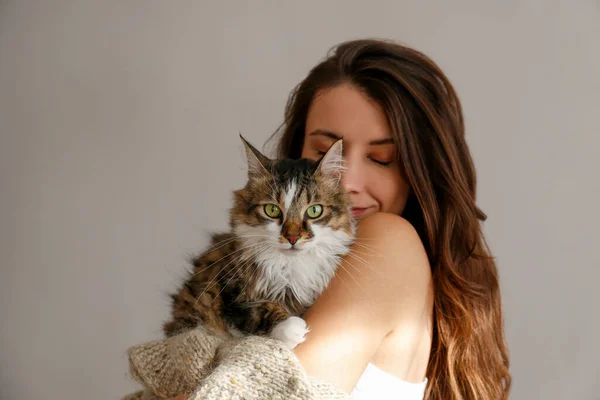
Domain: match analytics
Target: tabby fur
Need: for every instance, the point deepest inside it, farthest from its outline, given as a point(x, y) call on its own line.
point(267, 271)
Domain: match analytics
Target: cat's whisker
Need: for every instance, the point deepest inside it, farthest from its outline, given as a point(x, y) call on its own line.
point(240, 259)
point(210, 265)
point(222, 258)
point(354, 253)
point(247, 265)
point(222, 243)
point(250, 257)
point(368, 251)
point(246, 285)
point(240, 269)
point(344, 282)
point(362, 253)
point(243, 259)
point(358, 243)
point(354, 266)
point(367, 238)
point(349, 273)
point(357, 282)
point(247, 236)
point(211, 284)
point(341, 265)
point(273, 189)
point(365, 262)
point(327, 254)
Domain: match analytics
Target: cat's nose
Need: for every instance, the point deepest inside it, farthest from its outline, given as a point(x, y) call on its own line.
point(292, 238)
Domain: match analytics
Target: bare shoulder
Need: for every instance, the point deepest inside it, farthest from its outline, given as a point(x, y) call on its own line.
point(382, 283)
point(388, 228)
point(394, 245)
point(386, 223)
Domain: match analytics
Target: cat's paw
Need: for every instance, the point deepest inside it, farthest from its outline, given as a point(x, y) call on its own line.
point(291, 332)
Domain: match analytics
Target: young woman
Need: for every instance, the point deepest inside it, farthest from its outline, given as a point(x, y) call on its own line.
point(421, 302)
point(415, 311)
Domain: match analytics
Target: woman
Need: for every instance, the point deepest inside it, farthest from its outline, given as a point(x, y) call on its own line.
point(415, 311)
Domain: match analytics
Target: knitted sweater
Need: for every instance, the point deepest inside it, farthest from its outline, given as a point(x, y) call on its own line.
point(211, 367)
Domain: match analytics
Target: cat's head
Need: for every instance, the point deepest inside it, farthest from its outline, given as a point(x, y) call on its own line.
point(292, 207)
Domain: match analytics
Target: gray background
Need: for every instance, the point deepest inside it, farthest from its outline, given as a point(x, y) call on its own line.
point(119, 151)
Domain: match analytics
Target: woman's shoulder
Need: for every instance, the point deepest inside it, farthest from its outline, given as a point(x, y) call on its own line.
point(394, 242)
point(381, 223)
point(390, 254)
point(405, 290)
point(383, 282)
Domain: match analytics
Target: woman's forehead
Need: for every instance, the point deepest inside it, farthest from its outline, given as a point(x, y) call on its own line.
point(345, 112)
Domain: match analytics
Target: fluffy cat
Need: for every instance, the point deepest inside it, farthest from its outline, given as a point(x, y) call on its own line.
point(290, 225)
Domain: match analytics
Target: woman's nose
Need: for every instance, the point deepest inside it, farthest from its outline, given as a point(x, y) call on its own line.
point(352, 178)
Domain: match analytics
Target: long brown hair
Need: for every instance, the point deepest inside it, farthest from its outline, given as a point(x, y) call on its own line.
point(469, 356)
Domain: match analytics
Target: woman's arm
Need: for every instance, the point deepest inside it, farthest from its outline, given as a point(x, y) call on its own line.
point(384, 283)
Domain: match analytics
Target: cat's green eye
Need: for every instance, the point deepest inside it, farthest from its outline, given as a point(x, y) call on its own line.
point(272, 211)
point(314, 211)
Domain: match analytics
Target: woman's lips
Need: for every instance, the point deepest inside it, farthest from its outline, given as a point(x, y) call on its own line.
point(358, 212)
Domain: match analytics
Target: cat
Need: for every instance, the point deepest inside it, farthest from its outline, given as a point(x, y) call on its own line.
point(289, 227)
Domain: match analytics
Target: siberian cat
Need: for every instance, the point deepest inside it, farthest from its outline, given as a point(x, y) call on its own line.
point(290, 225)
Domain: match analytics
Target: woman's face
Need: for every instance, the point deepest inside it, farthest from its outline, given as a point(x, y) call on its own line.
point(372, 176)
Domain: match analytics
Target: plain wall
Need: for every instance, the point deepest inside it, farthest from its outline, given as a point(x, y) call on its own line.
point(119, 152)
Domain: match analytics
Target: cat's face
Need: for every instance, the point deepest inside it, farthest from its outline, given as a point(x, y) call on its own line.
point(291, 207)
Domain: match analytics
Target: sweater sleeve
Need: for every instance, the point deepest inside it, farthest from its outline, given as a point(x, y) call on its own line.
point(211, 367)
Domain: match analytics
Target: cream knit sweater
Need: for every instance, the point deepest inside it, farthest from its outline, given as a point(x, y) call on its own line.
point(211, 367)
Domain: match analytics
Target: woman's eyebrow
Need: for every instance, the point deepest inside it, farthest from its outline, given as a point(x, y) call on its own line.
point(381, 141)
point(329, 134)
point(335, 136)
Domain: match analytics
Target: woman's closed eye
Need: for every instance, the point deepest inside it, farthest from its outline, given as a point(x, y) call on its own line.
point(380, 162)
point(377, 161)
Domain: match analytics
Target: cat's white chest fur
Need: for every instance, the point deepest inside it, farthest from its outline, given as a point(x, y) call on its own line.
point(306, 272)
point(306, 275)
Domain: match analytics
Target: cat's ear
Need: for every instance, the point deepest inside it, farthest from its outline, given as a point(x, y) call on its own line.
point(331, 165)
point(258, 165)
